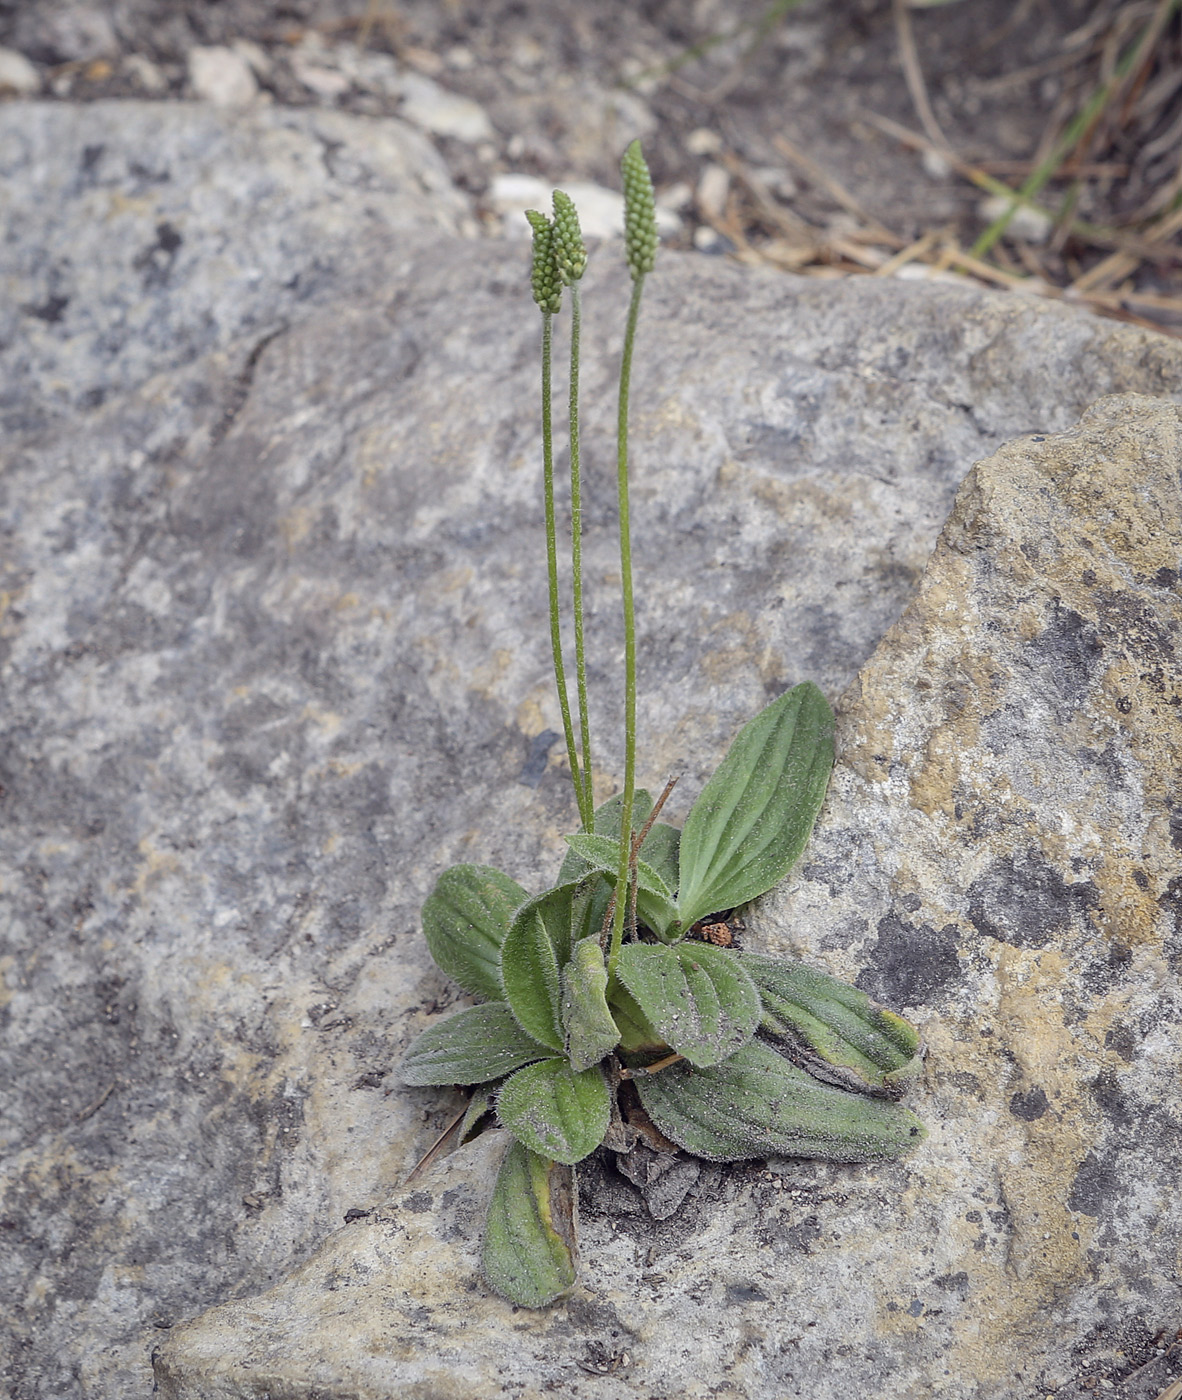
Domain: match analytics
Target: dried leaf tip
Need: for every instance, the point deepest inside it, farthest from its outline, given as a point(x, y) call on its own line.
point(543, 277)
point(570, 256)
point(640, 212)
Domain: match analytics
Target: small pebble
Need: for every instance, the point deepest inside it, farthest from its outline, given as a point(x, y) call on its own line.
point(1031, 224)
point(18, 77)
point(222, 77)
point(144, 73)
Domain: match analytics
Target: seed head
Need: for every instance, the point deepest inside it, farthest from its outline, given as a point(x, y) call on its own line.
point(640, 212)
point(543, 277)
point(570, 257)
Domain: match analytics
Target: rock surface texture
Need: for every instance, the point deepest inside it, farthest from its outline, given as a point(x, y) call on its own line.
point(1000, 857)
point(141, 235)
point(274, 656)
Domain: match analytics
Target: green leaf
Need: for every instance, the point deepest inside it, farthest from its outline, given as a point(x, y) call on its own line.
point(607, 823)
point(655, 905)
point(697, 997)
point(591, 1032)
point(479, 1107)
point(635, 1032)
point(755, 815)
point(858, 1043)
point(471, 1047)
point(660, 851)
point(536, 948)
point(555, 1111)
point(756, 1104)
point(465, 920)
point(529, 1242)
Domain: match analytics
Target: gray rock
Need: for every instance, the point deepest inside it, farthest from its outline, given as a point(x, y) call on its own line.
point(998, 857)
point(143, 235)
point(274, 657)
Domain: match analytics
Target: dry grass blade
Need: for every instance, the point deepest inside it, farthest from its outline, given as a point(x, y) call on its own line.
point(1127, 71)
point(913, 73)
point(837, 191)
point(1086, 232)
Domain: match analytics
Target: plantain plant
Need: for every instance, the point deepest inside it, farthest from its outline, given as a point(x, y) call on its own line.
point(603, 1014)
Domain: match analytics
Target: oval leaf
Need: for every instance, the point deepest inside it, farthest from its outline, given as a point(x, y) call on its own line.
point(591, 1033)
point(465, 920)
point(536, 948)
point(471, 1047)
point(636, 1034)
point(607, 823)
point(660, 852)
point(756, 1104)
point(755, 815)
point(654, 899)
point(698, 998)
point(529, 1242)
point(853, 1041)
point(555, 1111)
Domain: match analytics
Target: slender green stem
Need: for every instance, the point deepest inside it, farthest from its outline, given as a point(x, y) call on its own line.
point(623, 869)
point(552, 562)
point(587, 798)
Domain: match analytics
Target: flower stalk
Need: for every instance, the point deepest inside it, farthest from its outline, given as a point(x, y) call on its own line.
point(640, 246)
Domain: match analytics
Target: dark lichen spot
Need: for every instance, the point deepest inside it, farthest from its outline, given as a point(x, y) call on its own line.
point(1096, 1183)
point(1123, 1040)
point(1030, 1105)
point(1110, 1099)
point(1024, 901)
point(419, 1202)
point(738, 1293)
point(802, 1236)
point(537, 758)
point(51, 310)
point(1063, 658)
point(911, 964)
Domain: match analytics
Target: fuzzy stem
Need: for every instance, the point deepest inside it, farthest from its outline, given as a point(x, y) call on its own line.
point(552, 563)
point(587, 797)
point(623, 869)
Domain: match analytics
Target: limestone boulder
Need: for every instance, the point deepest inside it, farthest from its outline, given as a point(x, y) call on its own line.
point(999, 856)
point(142, 235)
point(274, 655)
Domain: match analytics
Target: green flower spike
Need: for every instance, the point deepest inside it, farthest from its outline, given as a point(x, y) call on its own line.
point(570, 256)
point(640, 213)
point(543, 277)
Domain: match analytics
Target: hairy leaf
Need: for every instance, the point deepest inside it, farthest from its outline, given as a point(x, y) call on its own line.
point(660, 851)
point(465, 920)
point(754, 817)
point(858, 1043)
point(697, 997)
point(471, 1047)
point(591, 1032)
point(479, 1107)
point(529, 1242)
point(757, 1104)
point(607, 823)
point(536, 948)
point(555, 1111)
point(635, 1032)
point(654, 899)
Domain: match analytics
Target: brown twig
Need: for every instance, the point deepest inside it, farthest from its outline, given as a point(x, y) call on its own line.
point(809, 167)
point(913, 73)
point(656, 1068)
point(433, 1151)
